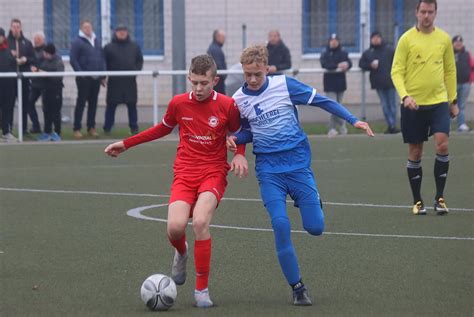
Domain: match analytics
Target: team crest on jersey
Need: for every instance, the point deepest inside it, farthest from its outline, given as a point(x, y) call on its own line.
point(213, 121)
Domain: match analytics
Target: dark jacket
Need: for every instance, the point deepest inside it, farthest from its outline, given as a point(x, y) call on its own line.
point(215, 50)
point(7, 61)
point(463, 67)
point(7, 65)
point(279, 56)
point(25, 48)
point(335, 82)
point(36, 82)
point(122, 55)
point(52, 65)
point(85, 57)
point(380, 78)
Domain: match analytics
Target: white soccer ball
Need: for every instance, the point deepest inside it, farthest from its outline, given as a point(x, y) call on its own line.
point(158, 292)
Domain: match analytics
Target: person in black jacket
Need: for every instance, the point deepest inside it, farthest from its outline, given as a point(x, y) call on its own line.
point(7, 89)
point(378, 61)
point(52, 93)
point(22, 49)
point(215, 50)
point(122, 54)
point(337, 62)
point(279, 57)
point(86, 55)
point(464, 70)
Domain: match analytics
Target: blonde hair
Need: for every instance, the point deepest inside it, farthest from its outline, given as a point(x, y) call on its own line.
point(254, 54)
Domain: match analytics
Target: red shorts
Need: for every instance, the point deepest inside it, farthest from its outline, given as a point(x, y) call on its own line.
point(187, 188)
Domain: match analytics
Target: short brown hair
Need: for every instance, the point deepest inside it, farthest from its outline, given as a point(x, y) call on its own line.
point(15, 20)
point(201, 64)
point(254, 54)
point(427, 1)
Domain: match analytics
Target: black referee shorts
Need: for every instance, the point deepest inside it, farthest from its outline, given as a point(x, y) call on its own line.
point(418, 125)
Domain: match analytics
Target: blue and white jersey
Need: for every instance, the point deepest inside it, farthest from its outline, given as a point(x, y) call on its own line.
point(270, 120)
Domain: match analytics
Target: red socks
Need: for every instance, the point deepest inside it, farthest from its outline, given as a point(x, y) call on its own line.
point(202, 262)
point(179, 244)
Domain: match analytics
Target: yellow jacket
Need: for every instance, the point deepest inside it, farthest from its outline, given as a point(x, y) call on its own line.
point(424, 67)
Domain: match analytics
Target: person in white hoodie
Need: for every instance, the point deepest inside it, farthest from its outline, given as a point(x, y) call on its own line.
point(87, 55)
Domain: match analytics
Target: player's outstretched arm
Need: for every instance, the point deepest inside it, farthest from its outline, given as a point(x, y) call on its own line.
point(115, 149)
point(364, 126)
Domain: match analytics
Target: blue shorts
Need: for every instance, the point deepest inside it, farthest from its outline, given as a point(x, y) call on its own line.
point(299, 184)
point(418, 125)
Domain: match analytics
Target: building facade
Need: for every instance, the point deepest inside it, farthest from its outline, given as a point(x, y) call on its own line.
point(304, 26)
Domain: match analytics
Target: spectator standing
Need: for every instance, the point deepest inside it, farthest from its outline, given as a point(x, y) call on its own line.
point(378, 61)
point(337, 62)
point(465, 76)
point(87, 55)
point(22, 49)
point(35, 91)
point(122, 54)
point(215, 50)
point(424, 74)
point(52, 91)
point(279, 57)
point(7, 89)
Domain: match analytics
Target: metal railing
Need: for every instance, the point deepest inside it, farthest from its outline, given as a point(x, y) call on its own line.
point(154, 74)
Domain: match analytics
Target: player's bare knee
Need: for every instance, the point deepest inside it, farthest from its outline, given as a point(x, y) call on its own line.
point(442, 147)
point(200, 226)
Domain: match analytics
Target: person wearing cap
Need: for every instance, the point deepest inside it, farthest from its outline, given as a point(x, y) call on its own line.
point(378, 61)
point(87, 55)
point(22, 49)
point(52, 93)
point(424, 74)
point(464, 76)
point(7, 89)
point(336, 61)
point(122, 54)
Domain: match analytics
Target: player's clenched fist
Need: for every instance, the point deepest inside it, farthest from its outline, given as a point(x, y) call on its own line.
point(115, 149)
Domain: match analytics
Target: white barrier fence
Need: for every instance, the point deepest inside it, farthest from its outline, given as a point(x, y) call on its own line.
point(154, 74)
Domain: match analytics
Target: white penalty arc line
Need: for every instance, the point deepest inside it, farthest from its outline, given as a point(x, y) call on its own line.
point(84, 192)
point(137, 213)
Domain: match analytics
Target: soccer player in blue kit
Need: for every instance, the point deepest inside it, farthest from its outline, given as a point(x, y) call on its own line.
point(283, 154)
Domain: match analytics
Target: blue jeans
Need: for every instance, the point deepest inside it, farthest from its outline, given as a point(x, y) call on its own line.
point(389, 105)
point(463, 94)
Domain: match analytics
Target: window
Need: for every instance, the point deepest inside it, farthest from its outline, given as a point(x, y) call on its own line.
point(144, 19)
point(392, 18)
point(324, 17)
point(62, 19)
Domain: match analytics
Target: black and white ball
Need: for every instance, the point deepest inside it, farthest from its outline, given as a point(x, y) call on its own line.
point(158, 292)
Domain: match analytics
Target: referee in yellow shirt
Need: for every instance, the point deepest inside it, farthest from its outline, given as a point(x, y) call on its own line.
point(424, 74)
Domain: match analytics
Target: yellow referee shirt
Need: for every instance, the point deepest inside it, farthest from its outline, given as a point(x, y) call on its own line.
point(424, 67)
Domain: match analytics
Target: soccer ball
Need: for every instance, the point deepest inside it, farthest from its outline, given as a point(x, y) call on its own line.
point(158, 292)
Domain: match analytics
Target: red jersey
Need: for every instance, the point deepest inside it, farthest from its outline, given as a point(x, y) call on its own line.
point(203, 127)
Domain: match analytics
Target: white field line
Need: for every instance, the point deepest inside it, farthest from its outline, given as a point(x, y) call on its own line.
point(82, 192)
point(137, 213)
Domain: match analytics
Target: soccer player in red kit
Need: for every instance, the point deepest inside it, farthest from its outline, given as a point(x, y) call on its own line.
point(200, 169)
